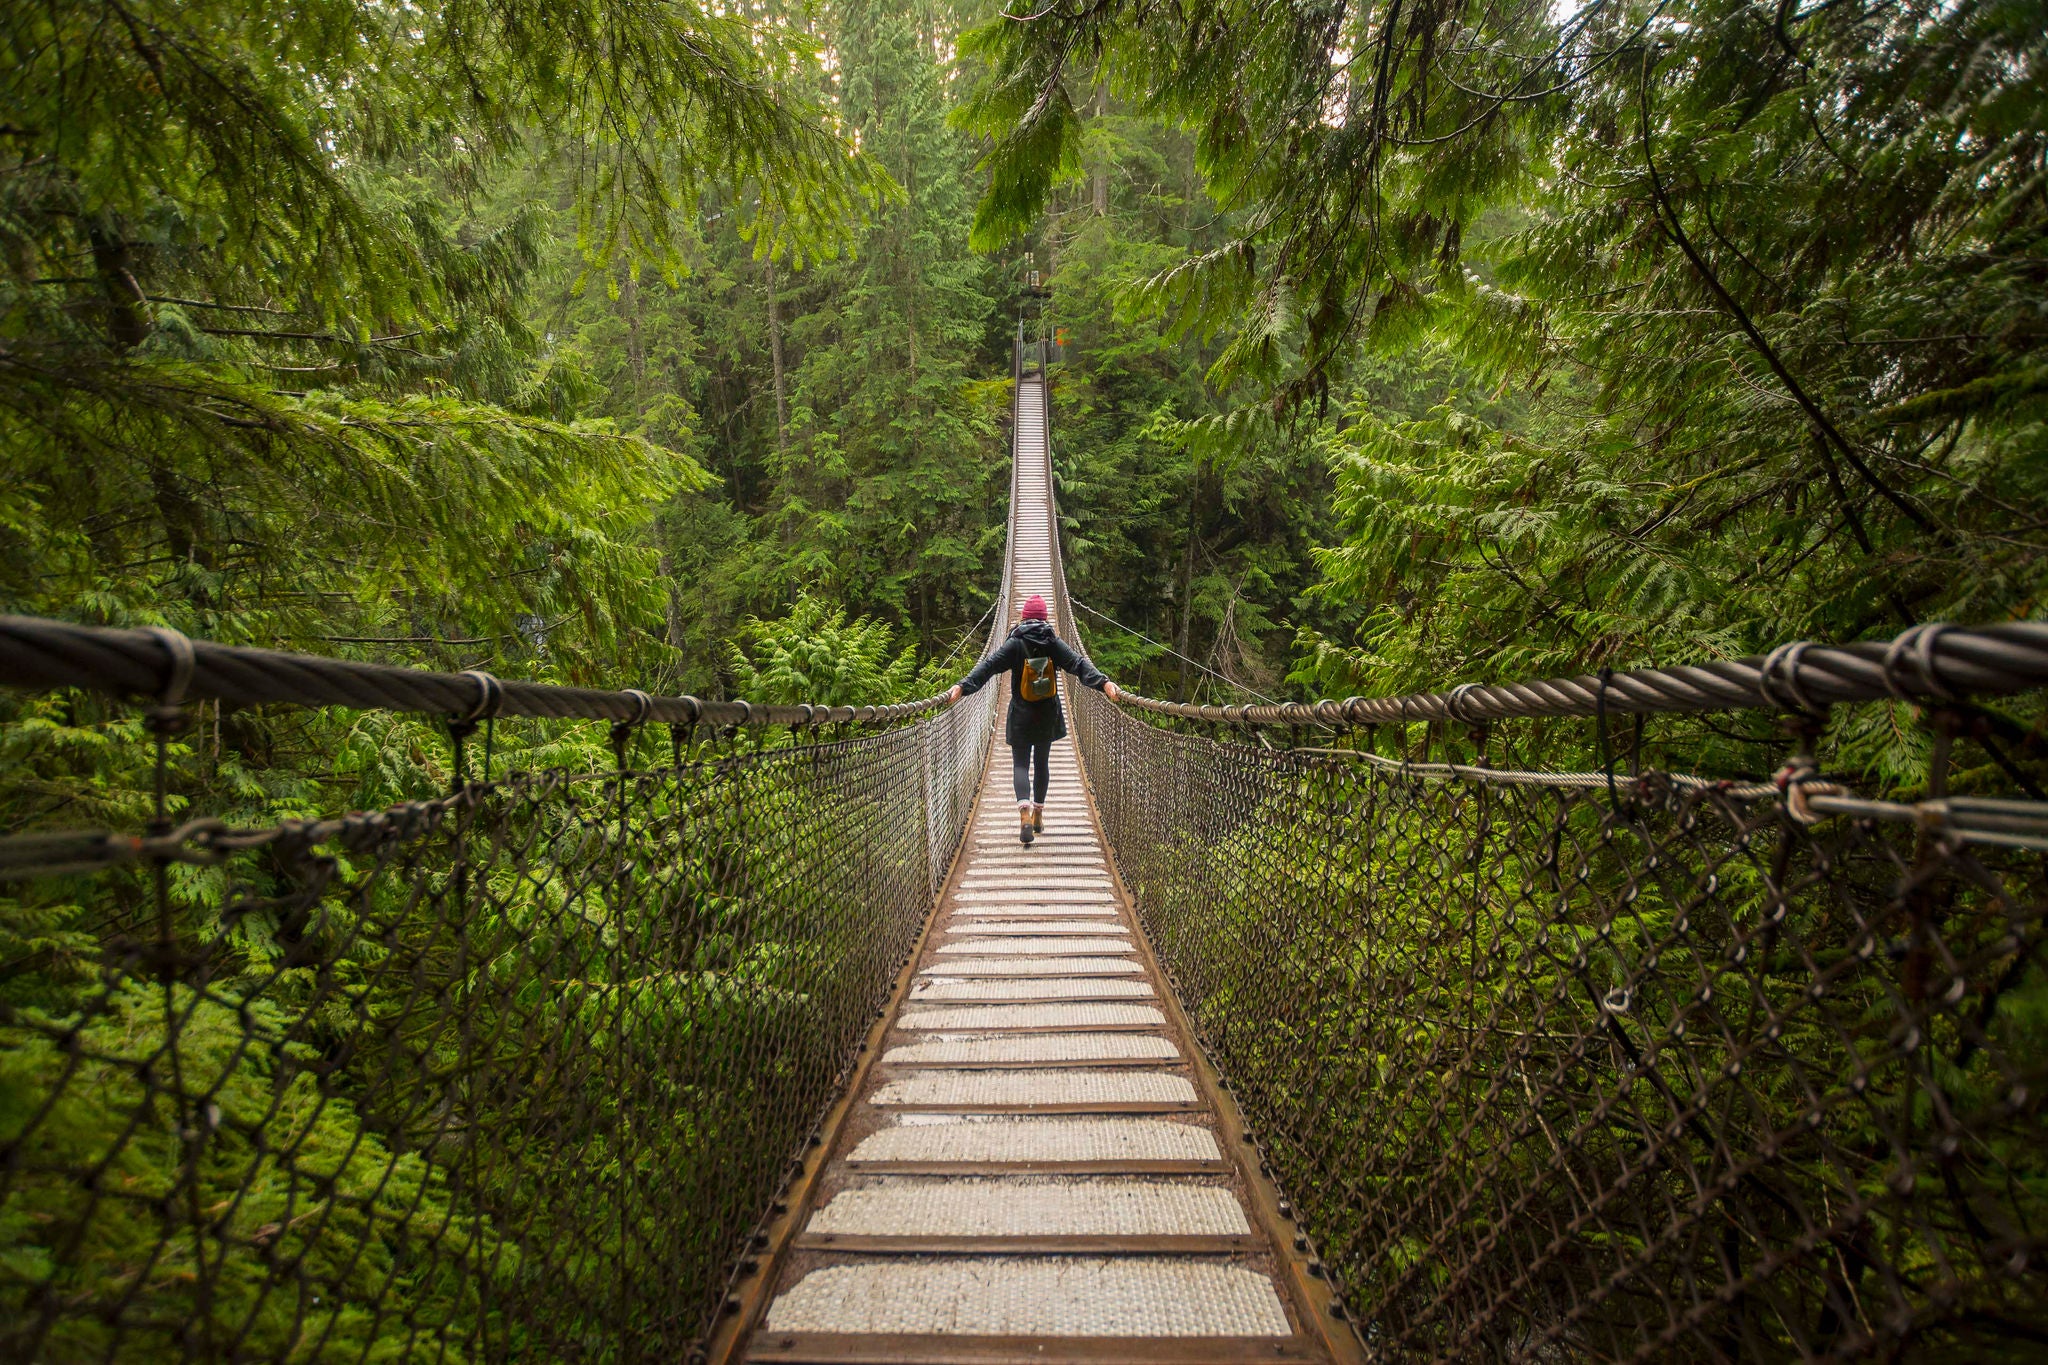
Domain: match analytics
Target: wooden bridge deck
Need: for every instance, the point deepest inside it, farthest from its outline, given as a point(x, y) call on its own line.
point(1037, 1168)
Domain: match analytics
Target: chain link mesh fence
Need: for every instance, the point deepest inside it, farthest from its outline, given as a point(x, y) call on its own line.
point(1554, 1074)
point(510, 1075)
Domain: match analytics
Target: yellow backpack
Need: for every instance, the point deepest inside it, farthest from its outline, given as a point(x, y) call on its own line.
point(1037, 681)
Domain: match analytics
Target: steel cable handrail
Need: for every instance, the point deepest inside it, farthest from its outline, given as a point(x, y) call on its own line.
point(1931, 662)
point(1918, 665)
point(36, 652)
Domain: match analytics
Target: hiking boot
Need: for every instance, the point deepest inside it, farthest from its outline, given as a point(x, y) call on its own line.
point(1037, 820)
point(1027, 826)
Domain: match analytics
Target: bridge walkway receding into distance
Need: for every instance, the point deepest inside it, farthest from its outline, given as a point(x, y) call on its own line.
point(1036, 1166)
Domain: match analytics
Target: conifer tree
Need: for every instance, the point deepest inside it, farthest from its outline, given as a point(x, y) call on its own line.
point(1630, 331)
point(264, 381)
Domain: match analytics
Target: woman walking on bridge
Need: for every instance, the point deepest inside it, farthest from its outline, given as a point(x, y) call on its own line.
point(1031, 654)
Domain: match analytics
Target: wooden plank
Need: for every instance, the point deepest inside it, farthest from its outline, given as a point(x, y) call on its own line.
point(1077, 1107)
point(1312, 1304)
point(1154, 1244)
point(1043, 1064)
point(1108, 1166)
point(949, 1001)
point(935, 974)
point(1022, 1028)
point(967, 931)
point(837, 1348)
point(1050, 946)
point(742, 1311)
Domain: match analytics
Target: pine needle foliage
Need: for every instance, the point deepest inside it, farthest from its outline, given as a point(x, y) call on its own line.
point(266, 369)
point(237, 269)
point(1631, 331)
point(269, 374)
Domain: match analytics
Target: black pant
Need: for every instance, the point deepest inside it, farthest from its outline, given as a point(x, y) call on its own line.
point(1031, 769)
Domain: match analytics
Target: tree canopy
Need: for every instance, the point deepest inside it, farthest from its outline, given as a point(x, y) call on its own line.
point(1628, 331)
point(1403, 343)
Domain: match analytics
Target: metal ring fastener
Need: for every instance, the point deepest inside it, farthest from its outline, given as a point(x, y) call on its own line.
point(1786, 693)
point(490, 695)
point(643, 706)
point(1917, 644)
point(183, 662)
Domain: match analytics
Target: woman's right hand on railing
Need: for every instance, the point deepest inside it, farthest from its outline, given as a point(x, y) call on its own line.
point(1112, 691)
point(954, 695)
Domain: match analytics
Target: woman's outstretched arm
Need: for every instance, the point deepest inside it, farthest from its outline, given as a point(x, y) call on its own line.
point(1001, 660)
point(1082, 667)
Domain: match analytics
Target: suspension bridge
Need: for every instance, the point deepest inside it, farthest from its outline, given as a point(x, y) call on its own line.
point(1034, 1170)
point(1318, 1032)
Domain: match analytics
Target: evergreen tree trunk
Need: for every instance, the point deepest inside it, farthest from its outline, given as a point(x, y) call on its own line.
point(910, 283)
point(673, 610)
point(636, 349)
point(115, 264)
point(1101, 185)
point(775, 355)
point(1187, 589)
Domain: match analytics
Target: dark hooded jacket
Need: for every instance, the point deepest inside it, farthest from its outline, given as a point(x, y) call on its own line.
point(1032, 722)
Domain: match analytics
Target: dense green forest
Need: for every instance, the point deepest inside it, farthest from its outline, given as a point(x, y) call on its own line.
point(648, 343)
point(637, 343)
point(592, 342)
